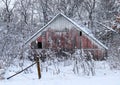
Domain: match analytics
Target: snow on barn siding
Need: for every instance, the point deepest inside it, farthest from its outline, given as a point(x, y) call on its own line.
point(62, 32)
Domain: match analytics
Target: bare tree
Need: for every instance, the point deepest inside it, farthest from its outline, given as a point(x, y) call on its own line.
point(8, 11)
point(89, 5)
point(44, 5)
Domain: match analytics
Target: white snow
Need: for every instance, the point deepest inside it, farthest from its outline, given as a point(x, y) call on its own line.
point(104, 76)
point(119, 49)
point(2, 71)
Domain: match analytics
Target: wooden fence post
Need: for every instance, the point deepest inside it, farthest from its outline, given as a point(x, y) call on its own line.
point(38, 67)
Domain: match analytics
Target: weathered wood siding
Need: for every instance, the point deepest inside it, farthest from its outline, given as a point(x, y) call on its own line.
point(61, 24)
point(63, 34)
point(69, 39)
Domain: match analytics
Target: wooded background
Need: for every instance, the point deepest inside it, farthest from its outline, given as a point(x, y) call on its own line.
point(19, 19)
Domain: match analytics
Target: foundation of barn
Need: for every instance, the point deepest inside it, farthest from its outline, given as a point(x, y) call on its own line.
point(63, 54)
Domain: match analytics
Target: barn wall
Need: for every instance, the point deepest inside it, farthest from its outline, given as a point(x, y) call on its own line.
point(61, 33)
point(70, 40)
point(60, 24)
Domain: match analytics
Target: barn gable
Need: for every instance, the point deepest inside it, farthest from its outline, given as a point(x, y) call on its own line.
point(61, 23)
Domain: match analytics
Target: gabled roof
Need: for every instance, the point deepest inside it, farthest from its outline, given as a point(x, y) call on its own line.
point(85, 30)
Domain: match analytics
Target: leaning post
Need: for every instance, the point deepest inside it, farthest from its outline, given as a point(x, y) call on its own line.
point(38, 67)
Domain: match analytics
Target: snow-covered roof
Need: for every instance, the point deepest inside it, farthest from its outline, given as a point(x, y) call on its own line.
point(85, 30)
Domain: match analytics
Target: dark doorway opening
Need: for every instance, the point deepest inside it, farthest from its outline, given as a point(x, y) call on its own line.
point(39, 45)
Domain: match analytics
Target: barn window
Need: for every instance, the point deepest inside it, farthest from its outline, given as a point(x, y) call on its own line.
point(80, 33)
point(39, 45)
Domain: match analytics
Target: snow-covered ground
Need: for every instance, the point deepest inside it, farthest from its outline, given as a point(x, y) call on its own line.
point(66, 76)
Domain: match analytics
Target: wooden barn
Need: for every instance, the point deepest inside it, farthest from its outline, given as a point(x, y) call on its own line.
point(64, 34)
